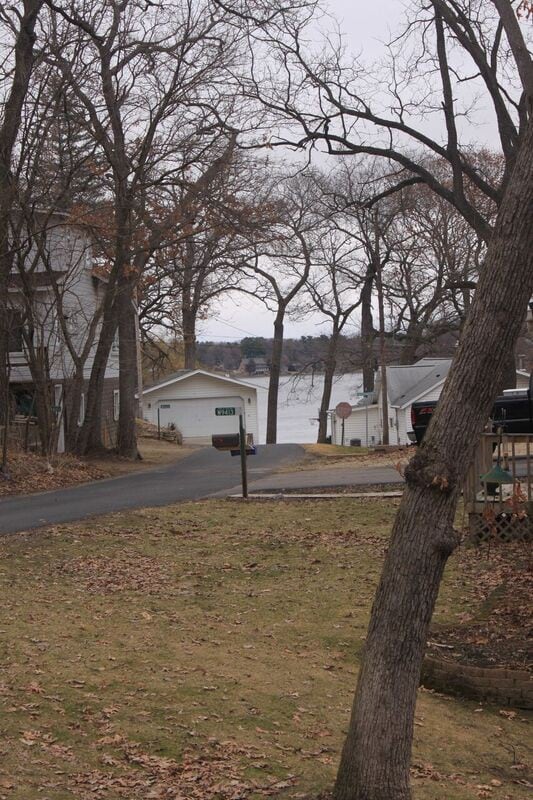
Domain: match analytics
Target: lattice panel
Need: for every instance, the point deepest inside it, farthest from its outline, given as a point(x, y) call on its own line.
point(503, 527)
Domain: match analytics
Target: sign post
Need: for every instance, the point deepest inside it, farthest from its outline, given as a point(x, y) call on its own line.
point(343, 411)
point(235, 442)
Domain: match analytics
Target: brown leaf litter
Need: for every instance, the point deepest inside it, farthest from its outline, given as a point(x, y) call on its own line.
point(30, 472)
point(123, 572)
point(214, 773)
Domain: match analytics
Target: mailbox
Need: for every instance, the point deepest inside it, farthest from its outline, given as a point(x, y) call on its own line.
point(226, 441)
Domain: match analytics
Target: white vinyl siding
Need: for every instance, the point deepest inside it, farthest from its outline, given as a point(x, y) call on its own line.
point(191, 403)
point(399, 423)
point(116, 404)
point(355, 427)
point(70, 253)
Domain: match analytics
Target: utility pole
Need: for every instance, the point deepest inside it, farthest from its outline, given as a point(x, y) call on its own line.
point(382, 340)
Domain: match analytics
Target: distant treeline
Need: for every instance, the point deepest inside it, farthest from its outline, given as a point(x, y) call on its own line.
point(305, 354)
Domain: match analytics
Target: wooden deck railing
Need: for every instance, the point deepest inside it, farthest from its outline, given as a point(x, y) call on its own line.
point(511, 504)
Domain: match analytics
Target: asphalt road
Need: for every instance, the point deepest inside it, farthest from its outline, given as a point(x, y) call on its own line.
point(203, 473)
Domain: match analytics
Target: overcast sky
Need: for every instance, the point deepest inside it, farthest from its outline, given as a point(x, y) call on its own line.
point(366, 25)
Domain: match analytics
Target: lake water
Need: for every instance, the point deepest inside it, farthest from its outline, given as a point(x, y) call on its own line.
point(299, 400)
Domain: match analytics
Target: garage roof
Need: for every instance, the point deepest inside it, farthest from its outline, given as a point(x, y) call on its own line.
point(182, 374)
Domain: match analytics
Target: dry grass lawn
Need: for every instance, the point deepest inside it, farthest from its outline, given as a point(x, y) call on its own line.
point(210, 650)
point(319, 456)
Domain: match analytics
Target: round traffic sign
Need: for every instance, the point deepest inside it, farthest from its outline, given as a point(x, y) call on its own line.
point(343, 410)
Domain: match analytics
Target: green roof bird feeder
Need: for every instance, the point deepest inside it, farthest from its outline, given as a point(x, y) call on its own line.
point(497, 476)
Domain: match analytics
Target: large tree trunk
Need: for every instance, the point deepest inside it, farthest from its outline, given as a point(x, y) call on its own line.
point(118, 312)
point(376, 756)
point(188, 322)
point(329, 373)
point(128, 383)
point(273, 384)
point(382, 357)
point(73, 389)
point(42, 392)
point(368, 333)
point(89, 437)
point(509, 374)
point(5, 269)
point(12, 111)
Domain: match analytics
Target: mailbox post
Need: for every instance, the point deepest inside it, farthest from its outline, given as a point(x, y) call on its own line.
point(242, 448)
point(237, 445)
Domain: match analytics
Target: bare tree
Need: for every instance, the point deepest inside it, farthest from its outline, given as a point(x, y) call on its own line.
point(347, 118)
point(281, 266)
point(371, 227)
point(49, 293)
point(334, 289)
point(142, 73)
point(207, 249)
point(432, 272)
point(15, 75)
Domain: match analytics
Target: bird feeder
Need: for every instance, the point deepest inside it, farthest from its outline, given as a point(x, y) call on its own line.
point(497, 476)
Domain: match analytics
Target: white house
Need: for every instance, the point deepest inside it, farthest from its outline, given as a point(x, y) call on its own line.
point(405, 385)
point(200, 404)
point(55, 297)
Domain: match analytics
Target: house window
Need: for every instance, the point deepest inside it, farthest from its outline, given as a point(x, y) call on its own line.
point(116, 404)
point(81, 415)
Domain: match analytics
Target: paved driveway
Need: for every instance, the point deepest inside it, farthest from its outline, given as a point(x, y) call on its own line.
point(327, 478)
point(203, 473)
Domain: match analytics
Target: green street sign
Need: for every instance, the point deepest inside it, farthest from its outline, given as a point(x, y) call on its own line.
point(225, 412)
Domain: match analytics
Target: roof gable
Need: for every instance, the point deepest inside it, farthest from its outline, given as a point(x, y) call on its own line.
point(184, 374)
point(405, 383)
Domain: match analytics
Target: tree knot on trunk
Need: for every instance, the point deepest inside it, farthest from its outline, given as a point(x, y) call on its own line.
point(448, 541)
point(428, 470)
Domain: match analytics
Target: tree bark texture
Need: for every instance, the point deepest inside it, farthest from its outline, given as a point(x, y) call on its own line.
point(382, 357)
point(42, 387)
point(73, 389)
point(9, 127)
point(128, 384)
point(376, 755)
point(368, 333)
point(329, 372)
point(273, 384)
point(90, 434)
point(188, 322)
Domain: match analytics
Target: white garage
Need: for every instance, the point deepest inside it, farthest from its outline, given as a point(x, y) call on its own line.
point(200, 404)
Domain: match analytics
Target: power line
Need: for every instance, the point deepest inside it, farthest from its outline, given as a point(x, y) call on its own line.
point(223, 322)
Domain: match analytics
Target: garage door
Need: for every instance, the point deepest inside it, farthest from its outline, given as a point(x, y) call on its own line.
point(199, 419)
